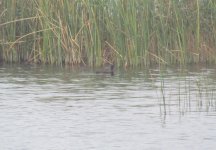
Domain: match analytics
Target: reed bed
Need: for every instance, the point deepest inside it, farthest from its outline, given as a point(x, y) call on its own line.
point(95, 32)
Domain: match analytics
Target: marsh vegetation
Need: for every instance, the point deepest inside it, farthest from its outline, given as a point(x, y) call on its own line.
point(94, 32)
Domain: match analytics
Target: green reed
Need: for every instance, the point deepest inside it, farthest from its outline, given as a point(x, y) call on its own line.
point(95, 32)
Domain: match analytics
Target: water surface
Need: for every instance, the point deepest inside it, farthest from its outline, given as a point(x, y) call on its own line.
point(51, 108)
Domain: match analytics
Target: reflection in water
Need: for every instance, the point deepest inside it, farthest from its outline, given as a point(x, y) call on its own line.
point(51, 108)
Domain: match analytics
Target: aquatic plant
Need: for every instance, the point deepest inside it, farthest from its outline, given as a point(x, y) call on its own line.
point(95, 32)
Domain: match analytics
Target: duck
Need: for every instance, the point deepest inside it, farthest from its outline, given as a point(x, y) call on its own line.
point(107, 70)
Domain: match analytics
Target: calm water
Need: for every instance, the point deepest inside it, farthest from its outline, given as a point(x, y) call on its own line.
point(46, 108)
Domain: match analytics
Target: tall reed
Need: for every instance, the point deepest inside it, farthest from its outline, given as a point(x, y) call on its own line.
point(95, 32)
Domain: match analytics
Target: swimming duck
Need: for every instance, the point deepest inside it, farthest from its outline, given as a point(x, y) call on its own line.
point(107, 70)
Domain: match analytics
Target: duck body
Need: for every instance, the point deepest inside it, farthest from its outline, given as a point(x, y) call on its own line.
point(107, 70)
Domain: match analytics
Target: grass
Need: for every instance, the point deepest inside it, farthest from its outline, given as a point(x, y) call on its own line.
point(124, 32)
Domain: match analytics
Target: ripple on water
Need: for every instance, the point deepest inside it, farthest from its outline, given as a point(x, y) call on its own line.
point(51, 108)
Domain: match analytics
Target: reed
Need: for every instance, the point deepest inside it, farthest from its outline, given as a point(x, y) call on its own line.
point(95, 32)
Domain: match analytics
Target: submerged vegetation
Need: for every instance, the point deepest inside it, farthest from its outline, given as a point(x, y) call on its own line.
point(94, 32)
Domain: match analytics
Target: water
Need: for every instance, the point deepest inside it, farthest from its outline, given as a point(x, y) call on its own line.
point(48, 108)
